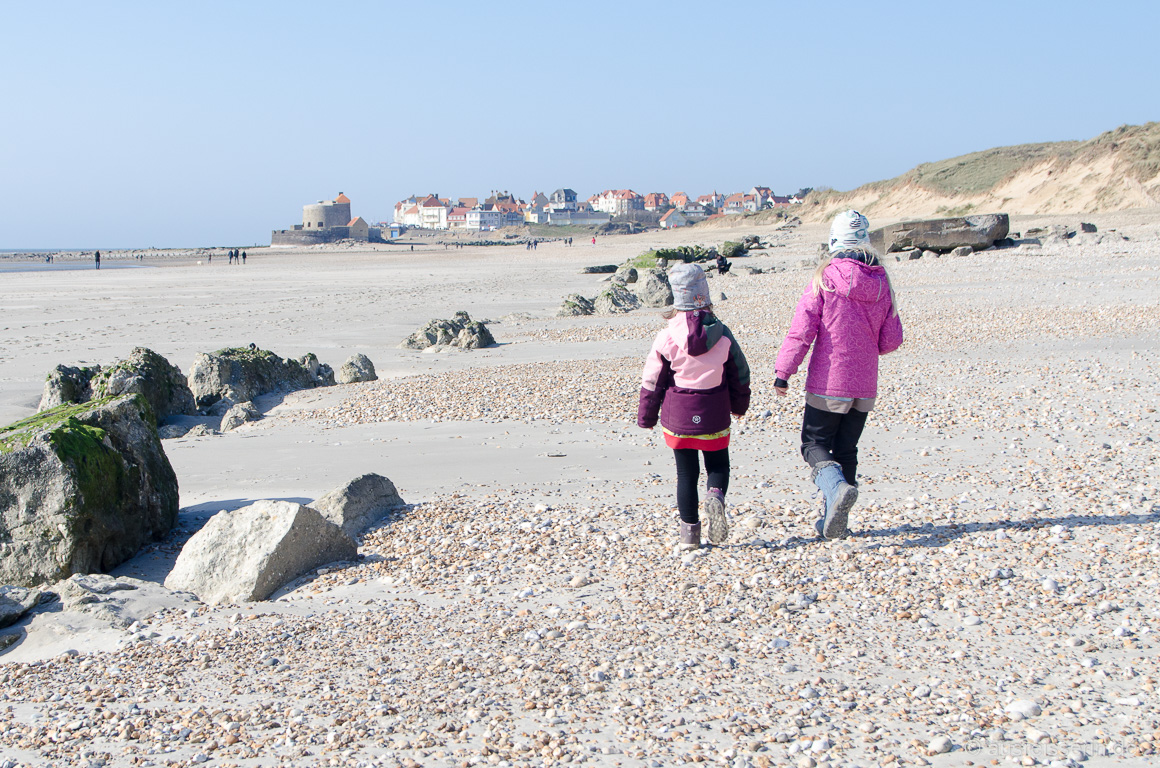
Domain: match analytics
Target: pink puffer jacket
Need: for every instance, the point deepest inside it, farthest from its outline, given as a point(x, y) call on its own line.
point(849, 327)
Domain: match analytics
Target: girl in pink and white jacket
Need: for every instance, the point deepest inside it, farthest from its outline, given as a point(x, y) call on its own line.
point(694, 378)
point(849, 317)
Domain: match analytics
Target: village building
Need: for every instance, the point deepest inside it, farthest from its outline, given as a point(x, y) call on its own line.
point(739, 203)
point(617, 202)
point(563, 200)
point(714, 201)
point(457, 217)
point(655, 201)
point(327, 221)
point(679, 200)
point(673, 219)
point(433, 213)
point(693, 212)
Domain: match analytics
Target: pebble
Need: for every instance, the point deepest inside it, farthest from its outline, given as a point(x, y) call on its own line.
point(939, 745)
point(1024, 708)
point(429, 642)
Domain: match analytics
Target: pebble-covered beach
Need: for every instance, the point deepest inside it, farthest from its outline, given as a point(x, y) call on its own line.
point(997, 603)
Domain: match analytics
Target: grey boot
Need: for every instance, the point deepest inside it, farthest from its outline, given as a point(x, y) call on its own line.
point(840, 497)
point(713, 510)
point(690, 536)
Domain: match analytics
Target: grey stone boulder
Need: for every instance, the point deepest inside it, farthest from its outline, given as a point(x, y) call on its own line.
point(474, 335)
point(241, 374)
point(15, 602)
point(942, 235)
point(146, 373)
point(89, 588)
point(963, 250)
point(117, 601)
point(82, 488)
point(603, 269)
point(67, 384)
point(238, 415)
point(653, 289)
point(629, 274)
point(358, 367)
point(322, 373)
point(575, 305)
point(245, 555)
point(359, 504)
point(929, 255)
point(615, 299)
point(143, 372)
point(171, 431)
point(460, 331)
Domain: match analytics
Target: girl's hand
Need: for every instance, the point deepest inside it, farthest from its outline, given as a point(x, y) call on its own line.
point(781, 391)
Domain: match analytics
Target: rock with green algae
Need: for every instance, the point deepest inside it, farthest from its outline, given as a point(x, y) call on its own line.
point(240, 374)
point(143, 372)
point(82, 488)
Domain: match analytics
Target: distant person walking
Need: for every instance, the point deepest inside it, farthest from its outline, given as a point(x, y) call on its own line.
point(848, 315)
point(694, 377)
point(97, 259)
point(594, 239)
point(243, 257)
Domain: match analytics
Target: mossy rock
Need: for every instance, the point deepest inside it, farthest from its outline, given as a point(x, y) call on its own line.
point(143, 372)
point(82, 488)
point(240, 374)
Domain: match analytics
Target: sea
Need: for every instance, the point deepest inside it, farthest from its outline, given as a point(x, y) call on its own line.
point(35, 261)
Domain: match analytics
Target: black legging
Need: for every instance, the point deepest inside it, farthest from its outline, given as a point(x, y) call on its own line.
point(833, 437)
point(689, 471)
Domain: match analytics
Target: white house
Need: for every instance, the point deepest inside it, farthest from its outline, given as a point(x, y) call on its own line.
point(673, 219)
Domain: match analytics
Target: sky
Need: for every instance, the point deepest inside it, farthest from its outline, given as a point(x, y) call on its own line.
point(156, 124)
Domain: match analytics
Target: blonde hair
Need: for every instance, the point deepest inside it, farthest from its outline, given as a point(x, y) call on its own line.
point(671, 311)
point(817, 284)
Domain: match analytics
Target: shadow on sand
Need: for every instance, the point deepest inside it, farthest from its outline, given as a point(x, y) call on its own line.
point(931, 535)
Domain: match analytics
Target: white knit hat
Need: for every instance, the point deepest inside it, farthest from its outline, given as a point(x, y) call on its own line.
point(690, 288)
point(849, 230)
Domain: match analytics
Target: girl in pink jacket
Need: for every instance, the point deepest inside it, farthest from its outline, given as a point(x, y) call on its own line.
point(847, 314)
point(694, 378)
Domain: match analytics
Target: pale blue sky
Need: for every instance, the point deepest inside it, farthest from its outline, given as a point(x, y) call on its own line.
point(130, 124)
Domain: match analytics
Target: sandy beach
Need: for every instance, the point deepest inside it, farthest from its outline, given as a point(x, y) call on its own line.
point(530, 608)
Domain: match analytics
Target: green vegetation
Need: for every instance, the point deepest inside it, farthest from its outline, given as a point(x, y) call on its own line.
point(646, 260)
point(100, 470)
point(1136, 147)
point(686, 253)
point(731, 249)
point(17, 435)
point(958, 210)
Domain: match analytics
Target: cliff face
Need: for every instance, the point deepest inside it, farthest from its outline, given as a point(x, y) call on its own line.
point(1115, 171)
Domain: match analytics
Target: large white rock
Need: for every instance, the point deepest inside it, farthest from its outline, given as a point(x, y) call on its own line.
point(360, 503)
point(245, 555)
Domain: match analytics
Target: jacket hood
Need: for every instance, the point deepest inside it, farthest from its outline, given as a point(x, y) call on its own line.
point(855, 280)
point(696, 332)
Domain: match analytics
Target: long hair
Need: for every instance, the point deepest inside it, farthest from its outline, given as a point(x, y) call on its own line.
point(868, 256)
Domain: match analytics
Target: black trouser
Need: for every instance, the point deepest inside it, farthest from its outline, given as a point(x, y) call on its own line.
point(833, 437)
point(688, 473)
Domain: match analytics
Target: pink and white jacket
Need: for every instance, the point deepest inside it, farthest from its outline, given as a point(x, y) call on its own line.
point(697, 371)
point(848, 326)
